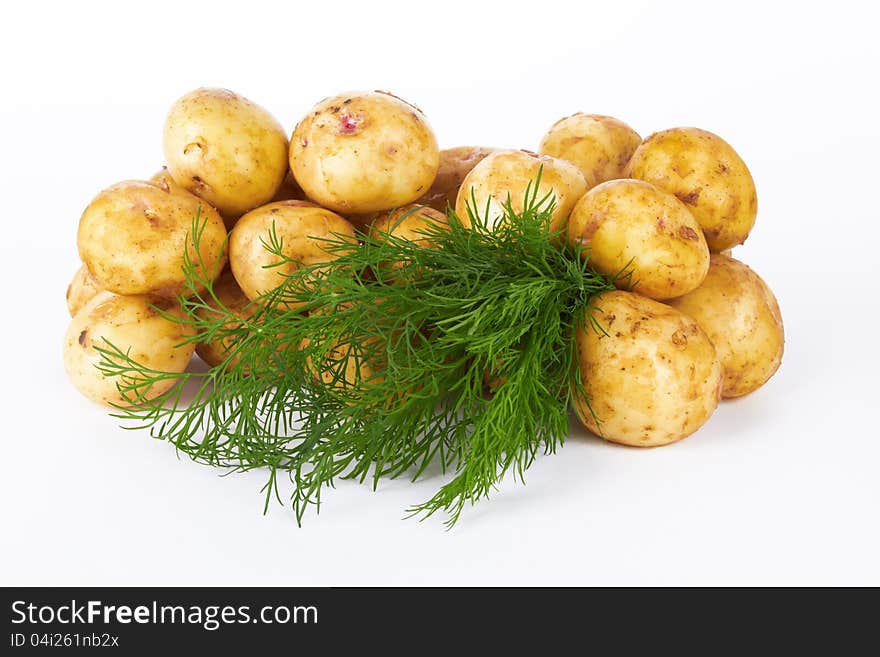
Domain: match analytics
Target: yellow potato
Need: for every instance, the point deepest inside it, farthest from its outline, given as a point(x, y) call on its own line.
point(82, 289)
point(651, 374)
point(455, 164)
point(342, 367)
point(289, 190)
point(132, 324)
point(364, 152)
point(505, 174)
point(225, 149)
point(133, 236)
point(707, 175)
point(742, 318)
point(632, 225)
point(600, 146)
point(230, 299)
point(408, 222)
point(164, 179)
point(300, 226)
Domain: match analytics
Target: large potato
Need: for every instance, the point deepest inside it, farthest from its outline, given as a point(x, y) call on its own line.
point(505, 175)
point(707, 175)
point(225, 149)
point(741, 316)
point(651, 374)
point(229, 300)
point(455, 164)
point(632, 225)
point(133, 236)
point(600, 146)
point(132, 324)
point(299, 225)
point(82, 289)
point(364, 152)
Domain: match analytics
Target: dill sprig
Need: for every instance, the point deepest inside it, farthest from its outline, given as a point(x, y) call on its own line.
point(460, 355)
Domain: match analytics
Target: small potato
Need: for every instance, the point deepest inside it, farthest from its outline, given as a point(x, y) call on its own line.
point(82, 289)
point(651, 374)
point(342, 367)
point(300, 226)
point(230, 299)
point(632, 225)
point(742, 318)
point(133, 236)
point(364, 152)
point(132, 324)
point(164, 180)
point(408, 222)
point(455, 164)
point(225, 149)
point(505, 175)
point(707, 175)
point(289, 190)
point(600, 146)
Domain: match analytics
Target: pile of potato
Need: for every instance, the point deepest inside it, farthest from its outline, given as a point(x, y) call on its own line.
point(689, 325)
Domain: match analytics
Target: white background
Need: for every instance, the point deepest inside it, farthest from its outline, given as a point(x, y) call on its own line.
point(778, 488)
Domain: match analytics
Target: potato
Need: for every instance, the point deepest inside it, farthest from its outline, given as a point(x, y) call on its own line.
point(81, 290)
point(300, 225)
point(356, 370)
point(408, 223)
point(230, 299)
point(364, 152)
point(225, 149)
point(163, 179)
point(133, 236)
point(132, 324)
point(651, 374)
point(632, 225)
point(707, 175)
point(455, 164)
point(289, 190)
point(600, 146)
point(505, 174)
point(741, 316)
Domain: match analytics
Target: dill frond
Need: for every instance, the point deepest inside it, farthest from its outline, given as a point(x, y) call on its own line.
point(384, 371)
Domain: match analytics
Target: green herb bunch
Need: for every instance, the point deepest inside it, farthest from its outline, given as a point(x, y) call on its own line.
point(454, 351)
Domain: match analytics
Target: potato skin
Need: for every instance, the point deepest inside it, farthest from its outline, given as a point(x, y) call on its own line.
point(356, 372)
point(289, 190)
point(600, 146)
point(133, 235)
point(225, 149)
point(299, 224)
point(707, 175)
point(652, 378)
point(408, 222)
point(741, 316)
point(632, 224)
point(506, 174)
point(233, 300)
point(364, 152)
point(455, 164)
point(165, 181)
point(133, 325)
point(82, 289)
